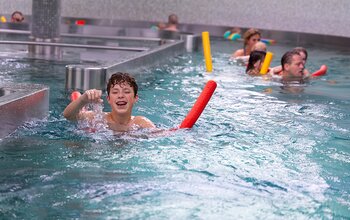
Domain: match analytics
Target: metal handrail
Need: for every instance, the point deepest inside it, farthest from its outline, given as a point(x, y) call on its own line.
point(137, 49)
point(156, 39)
point(10, 31)
point(112, 37)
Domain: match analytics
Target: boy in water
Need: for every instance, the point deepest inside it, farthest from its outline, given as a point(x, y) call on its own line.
point(121, 96)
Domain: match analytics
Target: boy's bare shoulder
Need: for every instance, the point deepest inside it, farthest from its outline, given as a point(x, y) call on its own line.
point(143, 122)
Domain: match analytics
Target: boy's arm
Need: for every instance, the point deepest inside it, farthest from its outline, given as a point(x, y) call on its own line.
point(73, 111)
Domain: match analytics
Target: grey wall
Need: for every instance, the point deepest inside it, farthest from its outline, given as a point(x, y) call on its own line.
point(308, 16)
point(9, 6)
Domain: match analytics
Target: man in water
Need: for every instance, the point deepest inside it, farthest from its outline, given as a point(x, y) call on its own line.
point(121, 96)
point(293, 67)
point(293, 72)
point(303, 53)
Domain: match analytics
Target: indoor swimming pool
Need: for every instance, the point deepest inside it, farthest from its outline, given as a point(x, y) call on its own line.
point(257, 151)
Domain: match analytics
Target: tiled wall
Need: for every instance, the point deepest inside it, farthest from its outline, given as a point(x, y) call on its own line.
point(329, 17)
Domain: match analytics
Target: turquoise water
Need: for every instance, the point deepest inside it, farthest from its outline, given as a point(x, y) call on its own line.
point(257, 151)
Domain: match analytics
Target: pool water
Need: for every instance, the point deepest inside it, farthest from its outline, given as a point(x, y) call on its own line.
point(257, 151)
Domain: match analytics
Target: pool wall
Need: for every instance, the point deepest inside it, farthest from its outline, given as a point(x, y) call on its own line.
point(312, 16)
point(21, 102)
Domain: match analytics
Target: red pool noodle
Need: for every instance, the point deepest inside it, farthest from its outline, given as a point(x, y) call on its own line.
point(321, 71)
point(75, 95)
point(199, 105)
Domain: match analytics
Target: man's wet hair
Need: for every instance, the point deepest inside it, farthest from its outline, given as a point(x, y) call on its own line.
point(288, 57)
point(120, 78)
point(301, 49)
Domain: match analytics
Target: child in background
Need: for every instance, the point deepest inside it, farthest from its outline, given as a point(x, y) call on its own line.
point(256, 59)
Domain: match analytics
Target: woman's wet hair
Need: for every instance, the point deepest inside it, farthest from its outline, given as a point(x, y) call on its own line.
point(249, 33)
point(120, 78)
point(254, 57)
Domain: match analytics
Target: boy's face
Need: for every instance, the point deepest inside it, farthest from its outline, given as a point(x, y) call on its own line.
point(122, 98)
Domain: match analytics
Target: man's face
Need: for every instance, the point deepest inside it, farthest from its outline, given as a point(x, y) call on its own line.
point(303, 57)
point(296, 67)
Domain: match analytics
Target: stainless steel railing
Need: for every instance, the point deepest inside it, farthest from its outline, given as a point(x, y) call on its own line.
point(137, 49)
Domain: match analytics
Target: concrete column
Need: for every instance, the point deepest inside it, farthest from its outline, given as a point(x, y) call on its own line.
point(46, 19)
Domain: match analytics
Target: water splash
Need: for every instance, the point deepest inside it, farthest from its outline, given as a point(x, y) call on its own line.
point(97, 124)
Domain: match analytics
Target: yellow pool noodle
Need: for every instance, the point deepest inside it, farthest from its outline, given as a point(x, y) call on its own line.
point(266, 64)
point(206, 51)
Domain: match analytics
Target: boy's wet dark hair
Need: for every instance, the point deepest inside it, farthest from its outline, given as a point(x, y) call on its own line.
point(120, 78)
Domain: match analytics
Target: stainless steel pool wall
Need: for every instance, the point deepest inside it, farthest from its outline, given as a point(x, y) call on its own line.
point(87, 77)
point(148, 58)
point(20, 103)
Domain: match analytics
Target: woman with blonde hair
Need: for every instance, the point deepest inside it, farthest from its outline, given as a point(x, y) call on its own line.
point(251, 36)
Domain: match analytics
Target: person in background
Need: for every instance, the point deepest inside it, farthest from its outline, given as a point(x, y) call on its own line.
point(121, 96)
point(255, 62)
point(161, 25)
point(173, 23)
point(259, 46)
point(17, 17)
point(250, 37)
